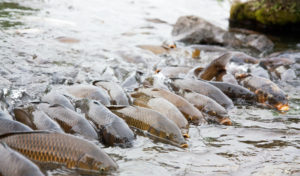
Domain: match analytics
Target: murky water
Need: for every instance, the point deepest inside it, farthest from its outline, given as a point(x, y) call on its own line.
point(46, 43)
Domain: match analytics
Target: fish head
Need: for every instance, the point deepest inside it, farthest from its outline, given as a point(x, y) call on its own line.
point(97, 162)
point(82, 104)
point(24, 115)
point(118, 133)
point(278, 101)
point(177, 139)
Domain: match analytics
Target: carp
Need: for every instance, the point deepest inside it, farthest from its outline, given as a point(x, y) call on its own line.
point(216, 112)
point(8, 126)
point(215, 67)
point(90, 92)
point(266, 91)
point(69, 120)
point(57, 98)
point(13, 163)
point(112, 129)
point(204, 88)
point(152, 122)
point(36, 119)
point(44, 147)
point(237, 93)
point(164, 107)
point(191, 113)
point(116, 92)
point(174, 72)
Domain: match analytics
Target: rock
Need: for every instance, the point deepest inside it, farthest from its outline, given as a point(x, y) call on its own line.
point(259, 42)
point(195, 30)
point(272, 17)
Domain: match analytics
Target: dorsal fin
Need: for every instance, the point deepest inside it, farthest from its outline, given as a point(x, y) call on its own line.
point(27, 132)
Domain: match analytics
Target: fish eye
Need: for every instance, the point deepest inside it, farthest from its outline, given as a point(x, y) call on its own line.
point(96, 102)
point(102, 169)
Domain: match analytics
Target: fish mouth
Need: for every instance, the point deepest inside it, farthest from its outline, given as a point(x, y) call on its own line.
point(184, 145)
point(186, 135)
point(282, 107)
point(226, 121)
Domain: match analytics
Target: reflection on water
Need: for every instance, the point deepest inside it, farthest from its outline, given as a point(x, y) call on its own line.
point(74, 41)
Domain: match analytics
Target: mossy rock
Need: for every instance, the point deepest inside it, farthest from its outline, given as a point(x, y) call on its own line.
point(270, 16)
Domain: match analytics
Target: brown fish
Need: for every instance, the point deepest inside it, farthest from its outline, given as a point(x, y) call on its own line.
point(36, 119)
point(90, 92)
point(156, 124)
point(164, 107)
point(187, 109)
point(44, 147)
point(216, 112)
point(215, 67)
point(237, 93)
point(69, 120)
point(113, 129)
point(266, 91)
point(204, 88)
point(8, 126)
point(57, 98)
point(116, 92)
point(13, 163)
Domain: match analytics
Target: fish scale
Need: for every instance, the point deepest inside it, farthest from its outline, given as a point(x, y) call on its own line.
point(57, 148)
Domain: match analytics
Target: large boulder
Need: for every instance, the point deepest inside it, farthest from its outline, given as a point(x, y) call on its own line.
point(280, 17)
point(195, 30)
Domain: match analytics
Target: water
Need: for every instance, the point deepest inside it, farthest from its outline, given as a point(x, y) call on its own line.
point(46, 43)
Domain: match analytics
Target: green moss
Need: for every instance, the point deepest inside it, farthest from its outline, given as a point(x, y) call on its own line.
point(267, 12)
point(10, 14)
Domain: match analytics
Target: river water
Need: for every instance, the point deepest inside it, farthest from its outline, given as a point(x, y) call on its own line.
point(46, 43)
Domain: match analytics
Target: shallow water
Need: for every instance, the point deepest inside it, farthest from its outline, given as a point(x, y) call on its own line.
point(46, 43)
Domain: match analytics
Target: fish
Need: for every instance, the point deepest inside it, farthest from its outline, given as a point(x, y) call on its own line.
point(70, 121)
point(164, 107)
point(36, 119)
point(156, 81)
point(226, 78)
point(204, 88)
point(215, 67)
point(132, 81)
point(116, 92)
point(8, 125)
point(152, 122)
point(90, 92)
point(45, 147)
point(113, 129)
point(242, 58)
point(54, 97)
point(154, 49)
point(191, 113)
point(216, 112)
point(237, 93)
point(13, 163)
point(173, 72)
point(267, 92)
